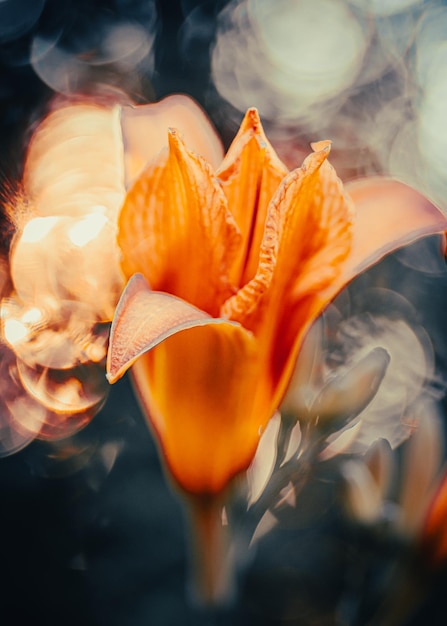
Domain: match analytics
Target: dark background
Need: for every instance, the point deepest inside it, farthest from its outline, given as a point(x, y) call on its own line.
point(90, 532)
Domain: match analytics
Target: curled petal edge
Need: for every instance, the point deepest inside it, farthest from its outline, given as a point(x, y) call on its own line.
point(143, 319)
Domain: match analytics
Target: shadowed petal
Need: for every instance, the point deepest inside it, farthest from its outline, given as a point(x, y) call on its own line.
point(176, 230)
point(143, 319)
point(315, 227)
point(307, 239)
point(197, 387)
point(315, 220)
point(250, 174)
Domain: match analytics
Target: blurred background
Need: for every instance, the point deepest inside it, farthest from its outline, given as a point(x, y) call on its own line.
point(90, 530)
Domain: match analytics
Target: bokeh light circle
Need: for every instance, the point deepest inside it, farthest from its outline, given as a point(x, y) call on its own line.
point(286, 57)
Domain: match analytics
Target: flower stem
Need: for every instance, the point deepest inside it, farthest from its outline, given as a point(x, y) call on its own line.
point(211, 556)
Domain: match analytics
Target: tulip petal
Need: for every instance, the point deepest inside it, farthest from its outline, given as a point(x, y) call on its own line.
point(389, 215)
point(198, 387)
point(176, 216)
point(307, 238)
point(143, 319)
point(250, 174)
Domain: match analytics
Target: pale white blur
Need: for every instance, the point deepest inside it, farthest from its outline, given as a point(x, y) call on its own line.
point(65, 276)
point(121, 49)
point(287, 57)
point(367, 74)
point(384, 7)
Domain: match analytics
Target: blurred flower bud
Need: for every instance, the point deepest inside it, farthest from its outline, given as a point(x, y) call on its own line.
point(366, 482)
point(379, 460)
point(307, 376)
point(261, 467)
point(421, 463)
point(363, 498)
point(347, 394)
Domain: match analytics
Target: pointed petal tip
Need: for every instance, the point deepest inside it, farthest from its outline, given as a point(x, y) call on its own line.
point(315, 159)
point(110, 376)
point(177, 146)
point(322, 146)
point(252, 120)
point(114, 368)
point(253, 113)
point(173, 137)
point(145, 318)
point(113, 372)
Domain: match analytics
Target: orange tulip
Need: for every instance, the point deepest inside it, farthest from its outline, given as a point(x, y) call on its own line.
point(229, 269)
